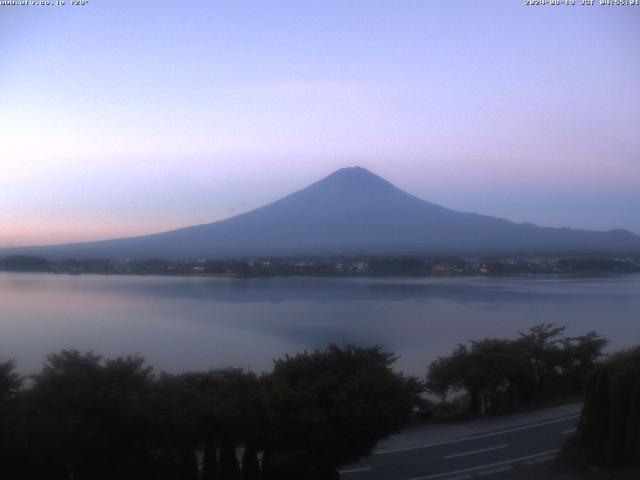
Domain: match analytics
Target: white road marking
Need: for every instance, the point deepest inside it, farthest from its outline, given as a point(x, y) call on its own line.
point(355, 470)
point(488, 449)
point(567, 432)
point(484, 467)
point(495, 470)
point(476, 437)
point(539, 460)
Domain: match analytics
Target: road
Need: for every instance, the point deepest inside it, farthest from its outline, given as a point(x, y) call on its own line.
point(512, 450)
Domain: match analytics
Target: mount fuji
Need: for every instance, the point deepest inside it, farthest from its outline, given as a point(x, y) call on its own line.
point(352, 211)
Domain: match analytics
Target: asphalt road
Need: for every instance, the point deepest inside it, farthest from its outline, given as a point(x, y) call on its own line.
point(500, 454)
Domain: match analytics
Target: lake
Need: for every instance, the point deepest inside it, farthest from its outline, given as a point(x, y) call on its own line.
point(181, 323)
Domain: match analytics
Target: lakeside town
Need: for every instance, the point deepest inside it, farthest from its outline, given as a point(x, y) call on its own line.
point(331, 266)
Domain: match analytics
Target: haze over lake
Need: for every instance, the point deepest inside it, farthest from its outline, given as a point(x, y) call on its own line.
point(182, 323)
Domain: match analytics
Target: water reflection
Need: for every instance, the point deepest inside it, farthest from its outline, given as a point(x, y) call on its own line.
point(185, 323)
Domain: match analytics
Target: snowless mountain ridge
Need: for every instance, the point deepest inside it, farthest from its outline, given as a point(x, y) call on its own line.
point(350, 212)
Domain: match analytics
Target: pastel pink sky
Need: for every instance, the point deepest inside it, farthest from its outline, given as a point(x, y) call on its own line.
point(124, 118)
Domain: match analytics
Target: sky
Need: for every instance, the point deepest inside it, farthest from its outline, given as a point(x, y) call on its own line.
point(121, 118)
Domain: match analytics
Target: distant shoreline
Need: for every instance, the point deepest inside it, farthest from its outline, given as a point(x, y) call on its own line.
point(336, 267)
point(319, 276)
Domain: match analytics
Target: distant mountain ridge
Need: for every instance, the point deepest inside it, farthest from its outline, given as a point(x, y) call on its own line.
point(352, 211)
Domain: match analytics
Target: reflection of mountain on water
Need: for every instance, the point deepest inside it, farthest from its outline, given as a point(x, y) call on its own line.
point(189, 323)
point(326, 290)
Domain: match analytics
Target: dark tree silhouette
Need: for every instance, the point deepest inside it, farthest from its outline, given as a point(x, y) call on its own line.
point(209, 460)
point(90, 418)
point(250, 464)
point(330, 408)
point(229, 466)
point(12, 433)
point(24, 263)
point(609, 430)
point(10, 381)
point(501, 373)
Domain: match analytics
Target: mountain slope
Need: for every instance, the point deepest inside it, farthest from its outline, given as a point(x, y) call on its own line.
point(351, 211)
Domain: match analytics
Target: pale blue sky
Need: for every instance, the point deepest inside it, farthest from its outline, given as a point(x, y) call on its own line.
point(121, 118)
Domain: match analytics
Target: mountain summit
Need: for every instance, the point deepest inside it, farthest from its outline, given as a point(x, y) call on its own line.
point(351, 211)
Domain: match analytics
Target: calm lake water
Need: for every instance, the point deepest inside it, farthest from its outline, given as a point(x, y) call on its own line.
point(181, 323)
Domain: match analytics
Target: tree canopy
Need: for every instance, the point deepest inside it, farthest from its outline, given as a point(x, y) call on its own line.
point(609, 429)
point(88, 417)
point(539, 364)
point(331, 408)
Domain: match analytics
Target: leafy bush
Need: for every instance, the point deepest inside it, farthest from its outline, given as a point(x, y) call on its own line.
point(92, 418)
point(499, 373)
